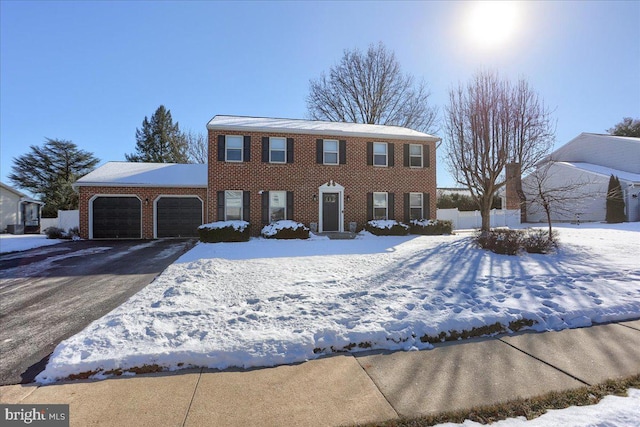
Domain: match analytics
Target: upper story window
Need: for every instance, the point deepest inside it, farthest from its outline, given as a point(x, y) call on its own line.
point(415, 206)
point(232, 205)
point(330, 152)
point(277, 150)
point(380, 154)
point(415, 155)
point(233, 148)
point(380, 206)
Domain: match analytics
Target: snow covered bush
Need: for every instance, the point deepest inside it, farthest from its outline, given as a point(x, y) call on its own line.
point(537, 241)
point(430, 227)
point(285, 229)
point(225, 231)
point(55, 233)
point(386, 227)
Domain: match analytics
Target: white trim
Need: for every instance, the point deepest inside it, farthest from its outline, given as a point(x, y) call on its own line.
point(285, 203)
point(283, 150)
point(226, 149)
point(421, 156)
point(331, 187)
point(95, 196)
point(226, 205)
point(386, 204)
point(386, 156)
point(416, 207)
point(337, 152)
point(182, 196)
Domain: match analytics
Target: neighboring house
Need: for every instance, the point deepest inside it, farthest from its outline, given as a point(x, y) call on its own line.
point(18, 212)
point(326, 175)
point(586, 163)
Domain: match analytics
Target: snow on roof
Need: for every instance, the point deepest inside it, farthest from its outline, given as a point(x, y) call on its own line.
point(603, 170)
point(131, 174)
point(263, 124)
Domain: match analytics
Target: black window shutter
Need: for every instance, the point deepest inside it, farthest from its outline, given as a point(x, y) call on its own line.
point(246, 206)
point(319, 149)
point(369, 206)
point(407, 207)
point(406, 155)
point(247, 149)
point(426, 206)
point(391, 154)
point(220, 205)
point(343, 152)
point(221, 140)
point(265, 149)
point(289, 204)
point(289, 150)
point(265, 208)
point(369, 153)
point(391, 209)
point(425, 156)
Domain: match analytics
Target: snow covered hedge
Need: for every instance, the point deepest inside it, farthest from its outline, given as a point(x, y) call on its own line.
point(430, 227)
point(387, 227)
point(285, 229)
point(225, 231)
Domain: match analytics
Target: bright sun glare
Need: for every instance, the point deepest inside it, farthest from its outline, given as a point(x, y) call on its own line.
point(492, 23)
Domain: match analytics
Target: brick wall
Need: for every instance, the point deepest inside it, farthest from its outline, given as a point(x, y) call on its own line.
point(305, 176)
point(144, 193)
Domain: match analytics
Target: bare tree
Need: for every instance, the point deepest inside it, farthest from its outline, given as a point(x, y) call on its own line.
point(197, 147)
point(489, 123)
point(553, 196)
point(371, 88)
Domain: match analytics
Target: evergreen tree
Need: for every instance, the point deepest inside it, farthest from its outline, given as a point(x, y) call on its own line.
point(159, 140)
point(627, 127)
point(615, 201)
point(49, 171)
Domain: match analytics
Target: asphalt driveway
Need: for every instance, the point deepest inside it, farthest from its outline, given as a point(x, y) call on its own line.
point(51, 293)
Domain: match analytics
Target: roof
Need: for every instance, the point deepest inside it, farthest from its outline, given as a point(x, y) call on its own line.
point(24, 197)
point(603, 170)
point(616, 152)
point(132, 174)
point(315, 127)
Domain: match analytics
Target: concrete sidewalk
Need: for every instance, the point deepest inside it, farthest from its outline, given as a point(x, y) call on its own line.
point(353, 388)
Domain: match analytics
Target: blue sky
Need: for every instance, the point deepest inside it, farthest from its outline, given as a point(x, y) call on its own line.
point(90, 72)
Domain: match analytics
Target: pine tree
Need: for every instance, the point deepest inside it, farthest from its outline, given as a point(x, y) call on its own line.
point(615, 201)
point(49, 171)
point(159, 140)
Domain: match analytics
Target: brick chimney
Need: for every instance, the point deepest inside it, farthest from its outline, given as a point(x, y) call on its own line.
point(513, 189)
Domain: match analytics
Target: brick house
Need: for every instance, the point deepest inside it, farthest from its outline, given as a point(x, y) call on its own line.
point(326, 175)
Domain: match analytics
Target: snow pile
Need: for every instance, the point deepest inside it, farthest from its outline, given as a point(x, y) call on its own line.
point(273, 228)
point(386, 223)
point(424, 222)
point(23, 242)
point(267, 302)
point(610, 411)
point(236, 225)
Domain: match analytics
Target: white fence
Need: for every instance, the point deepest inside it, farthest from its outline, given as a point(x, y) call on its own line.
point(65, 220)
point(472, 219)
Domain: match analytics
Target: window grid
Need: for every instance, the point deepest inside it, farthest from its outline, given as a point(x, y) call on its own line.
point(233, 148)
point(277, 150)
point(233, 205)
point(415, 206)
point(380, 154)
point(277, 205)
point(380, 206)
point(330, 152)
point(415, 155)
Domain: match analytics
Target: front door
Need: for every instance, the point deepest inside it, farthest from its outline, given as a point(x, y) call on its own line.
point(330, 212)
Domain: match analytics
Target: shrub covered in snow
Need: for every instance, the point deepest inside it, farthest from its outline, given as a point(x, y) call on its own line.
point(430, 227)
point(537, 241)
point(285, 229)
point(54, 233)
point(387, 227)
point(510, 242)
point(225, 231)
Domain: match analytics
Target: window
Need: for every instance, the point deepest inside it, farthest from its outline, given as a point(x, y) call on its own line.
point(330, 152)
point(232, 205)
point(277, 150)
point(380, 154)
point(415, 155)
point(277, 205)
point(380, 206)
point(415, 206)
point(233, 148)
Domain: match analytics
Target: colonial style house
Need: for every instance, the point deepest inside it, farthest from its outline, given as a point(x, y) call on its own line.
point(583, 166)
point(329, 176)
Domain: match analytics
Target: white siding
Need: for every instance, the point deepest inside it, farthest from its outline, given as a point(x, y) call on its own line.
point(9, 208)
point(616, 152)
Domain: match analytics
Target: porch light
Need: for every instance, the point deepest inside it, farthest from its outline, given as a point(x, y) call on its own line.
point(315, 198)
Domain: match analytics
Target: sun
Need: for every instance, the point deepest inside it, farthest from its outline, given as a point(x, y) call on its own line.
point(491, 24)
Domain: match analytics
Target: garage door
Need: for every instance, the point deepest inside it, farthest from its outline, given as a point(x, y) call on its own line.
point(116, 218)
point(178, 216)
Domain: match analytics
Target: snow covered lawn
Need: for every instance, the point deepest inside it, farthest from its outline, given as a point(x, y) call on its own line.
point(267, 302)
point(23, 242)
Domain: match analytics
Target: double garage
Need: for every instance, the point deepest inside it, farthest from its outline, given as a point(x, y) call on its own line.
point(121, 217)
